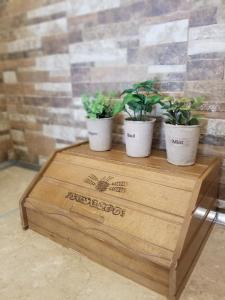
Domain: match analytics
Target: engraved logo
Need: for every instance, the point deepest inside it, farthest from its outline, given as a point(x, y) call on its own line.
point(96, 204)
point(106, 183)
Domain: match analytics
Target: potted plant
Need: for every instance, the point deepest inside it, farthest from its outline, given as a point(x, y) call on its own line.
point(100, 113)
point(182, 129)
point(138, 102)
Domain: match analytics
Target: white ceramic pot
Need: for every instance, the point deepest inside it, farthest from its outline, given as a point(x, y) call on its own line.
point(182, 144)
point(100, 134)
point(138, 137)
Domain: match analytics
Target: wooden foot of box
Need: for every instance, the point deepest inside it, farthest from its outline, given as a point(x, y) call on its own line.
point(143, 218)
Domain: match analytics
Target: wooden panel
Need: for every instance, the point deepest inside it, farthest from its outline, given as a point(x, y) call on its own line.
point(91, 226)
point(189, 258)
point(156, 161)
point(163, 233)
point(143, 172)
point(126, 263)
point(132, 189)
point(50, 185)
point(23, 214)
point(200, 213)
point(200, 187)
point(211, 179)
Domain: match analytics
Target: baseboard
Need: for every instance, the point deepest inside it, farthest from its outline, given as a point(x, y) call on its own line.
point(21, 164)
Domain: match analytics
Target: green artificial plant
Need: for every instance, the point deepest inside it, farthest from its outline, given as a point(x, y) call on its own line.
point(179, 110)
point(139, 100)
point(100, 105)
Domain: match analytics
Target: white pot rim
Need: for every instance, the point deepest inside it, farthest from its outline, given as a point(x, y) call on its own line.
point(98, 119)
point(181, 126)
point(151, 120)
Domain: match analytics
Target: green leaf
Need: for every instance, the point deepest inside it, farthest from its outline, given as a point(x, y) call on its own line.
point(193, 121)
point(98, 106)
point(148, 107)
point(154, 99)
point(128, 91)
point(131, 98)
point(118, 107)
point(179, 111)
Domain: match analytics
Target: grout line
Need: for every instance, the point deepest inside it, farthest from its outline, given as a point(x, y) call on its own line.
point(27, 166)
point(7, 164)
point(9, 212)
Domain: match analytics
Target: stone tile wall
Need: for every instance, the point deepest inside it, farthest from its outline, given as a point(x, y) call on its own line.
point(6, 149)
point(53, 51)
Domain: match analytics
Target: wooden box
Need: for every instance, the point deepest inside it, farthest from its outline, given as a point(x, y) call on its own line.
point(141, 217)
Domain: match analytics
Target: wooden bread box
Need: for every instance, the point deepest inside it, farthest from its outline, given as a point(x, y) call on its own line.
point(141, 217)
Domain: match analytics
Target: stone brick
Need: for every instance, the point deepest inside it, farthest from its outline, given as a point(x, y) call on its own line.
point(206, 149)
point(161, 7)
point(25, 44)
point(48, 101)
point(48, 10)
point(4, 124)
point(222, 191)
point(213, 107)
point(212, 90)
point(114, 15)
point(75, 36)
point(221, 13)
point(212, 55)
point(206, 39)
point(106, 31)
point(91, 88)
point(17, 136)
point(102, 51)
point(167, 72)
point(80, 74)
point(173, 86)
point(129, 43)
point(216, 128)
point(60, 76)
point(19, 63)
point(22, 125)
point(39, 20)
point(134, 73)
point(39, 144)
point(10, 77)
point(123, 13)
point(212, 140)
point(22, 154)
point(203, 3)
point(57, 26)
point(57, 62)
point(171, 32)
point(82, 22)
point(55, 44)
point(33, 76)
point(21, 55)
point(166, 54)
point(203, 16)
point(54, 87)
point(215, 31)
point(83, 7)
point(60, 132)
point(5, 146)
point(205, 69)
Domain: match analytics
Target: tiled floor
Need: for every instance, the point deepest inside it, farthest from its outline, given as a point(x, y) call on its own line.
point(35, 268)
